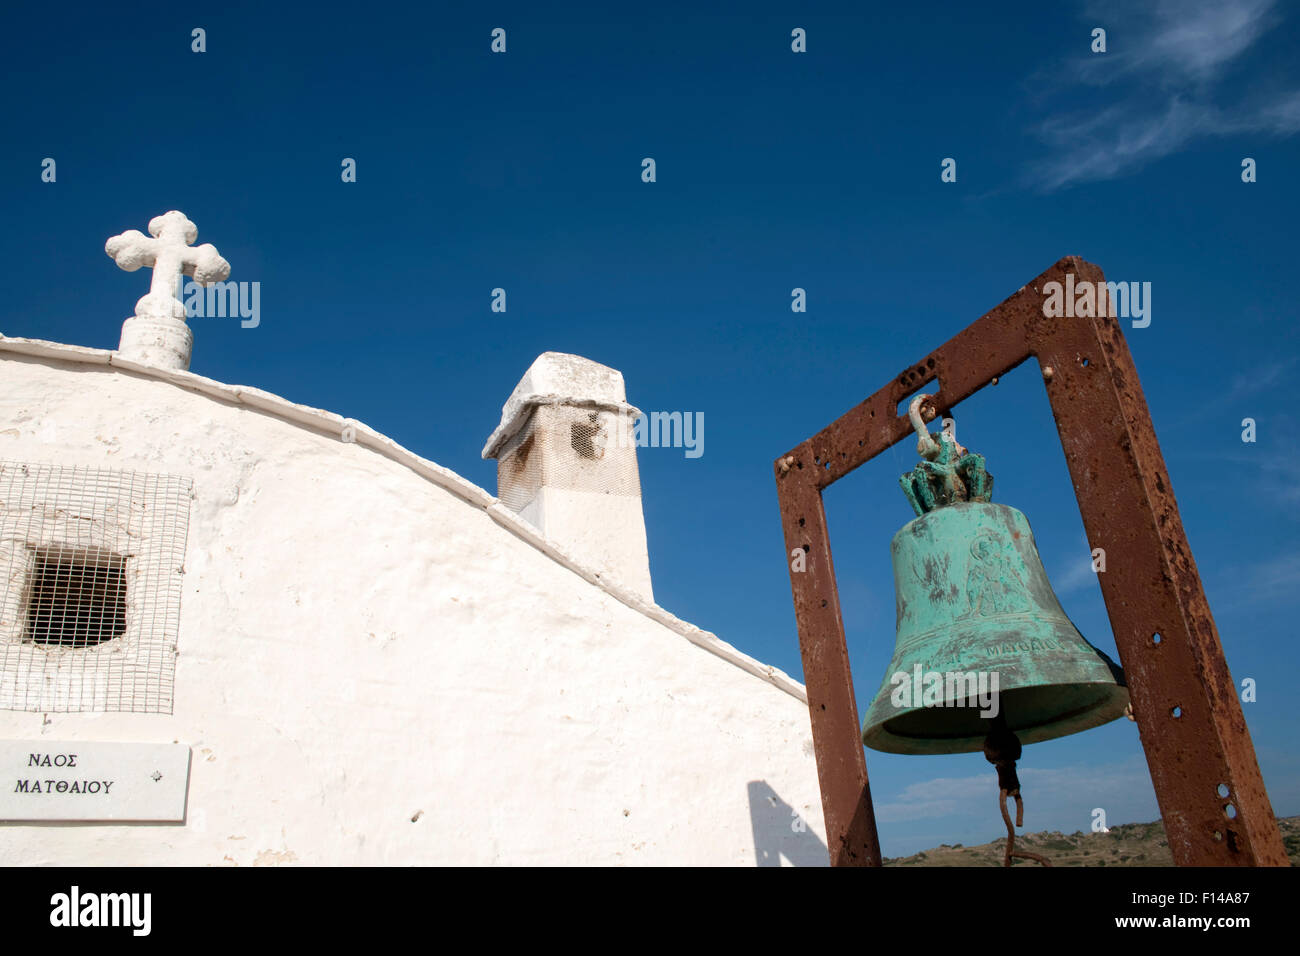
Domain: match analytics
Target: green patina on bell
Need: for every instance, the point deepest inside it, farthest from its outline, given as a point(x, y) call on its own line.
point(982, 639)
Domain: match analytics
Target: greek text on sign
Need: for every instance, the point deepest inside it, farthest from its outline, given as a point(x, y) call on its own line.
point(91, 780)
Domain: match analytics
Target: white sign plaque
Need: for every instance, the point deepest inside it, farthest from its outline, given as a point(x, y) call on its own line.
point(91, 780)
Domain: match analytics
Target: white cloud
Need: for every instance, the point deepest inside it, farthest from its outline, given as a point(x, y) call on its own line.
point(1174, 40)
point(940, 797)
point(1079, 577)
point(1169, 61)
point(1274, 579)
point(1257, 380)
point(1061, 799)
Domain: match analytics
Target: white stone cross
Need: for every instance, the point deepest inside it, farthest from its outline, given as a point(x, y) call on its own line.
point(170, 256)
point(157, 333)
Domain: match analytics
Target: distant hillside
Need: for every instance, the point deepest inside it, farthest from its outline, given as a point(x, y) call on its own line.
point(1129, 844)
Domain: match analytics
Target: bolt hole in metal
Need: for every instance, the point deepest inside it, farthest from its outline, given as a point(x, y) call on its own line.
point(1230, 811)
point(1223, 790)
point(1083, 362)
point(1177, 712)
point(1156, 638)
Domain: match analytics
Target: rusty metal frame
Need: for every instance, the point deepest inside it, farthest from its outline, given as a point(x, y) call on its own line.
point(1128, 508)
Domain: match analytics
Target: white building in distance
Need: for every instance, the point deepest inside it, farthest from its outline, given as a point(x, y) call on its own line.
point(239, 631)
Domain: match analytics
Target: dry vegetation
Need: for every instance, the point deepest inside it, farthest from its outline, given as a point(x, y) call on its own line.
point(1129, 844)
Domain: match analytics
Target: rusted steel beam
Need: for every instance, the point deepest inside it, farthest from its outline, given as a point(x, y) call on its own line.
point(841, 761)
point(1151, 586)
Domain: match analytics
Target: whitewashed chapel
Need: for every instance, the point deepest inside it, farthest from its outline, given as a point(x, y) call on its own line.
point(238, 631)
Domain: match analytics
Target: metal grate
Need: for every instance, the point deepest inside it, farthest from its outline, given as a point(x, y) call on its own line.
point(571, 448)
point(90, 585)
point(75, 598)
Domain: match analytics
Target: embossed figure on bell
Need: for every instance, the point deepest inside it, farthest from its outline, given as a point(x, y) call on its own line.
point(973, 600)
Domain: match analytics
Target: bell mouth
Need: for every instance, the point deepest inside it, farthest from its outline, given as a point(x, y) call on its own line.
point(1034, 714)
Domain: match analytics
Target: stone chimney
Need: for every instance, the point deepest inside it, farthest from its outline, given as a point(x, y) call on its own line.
point(566, 463)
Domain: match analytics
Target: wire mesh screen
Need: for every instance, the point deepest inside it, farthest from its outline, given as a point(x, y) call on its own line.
point(560, 446)
point(91, 562)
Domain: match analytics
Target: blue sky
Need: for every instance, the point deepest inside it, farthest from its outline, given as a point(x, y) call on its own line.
point(775, 170)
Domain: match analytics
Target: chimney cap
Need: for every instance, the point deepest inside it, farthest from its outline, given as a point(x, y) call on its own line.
point(558, 378)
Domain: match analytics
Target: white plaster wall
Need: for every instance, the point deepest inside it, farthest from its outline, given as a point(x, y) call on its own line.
point(606, 530)
point(360, 647)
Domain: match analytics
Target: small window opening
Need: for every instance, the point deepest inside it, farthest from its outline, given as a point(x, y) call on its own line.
point(76, 597)
point(583, 435)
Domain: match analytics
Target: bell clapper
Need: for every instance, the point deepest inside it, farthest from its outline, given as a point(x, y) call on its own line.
point(1002, 749)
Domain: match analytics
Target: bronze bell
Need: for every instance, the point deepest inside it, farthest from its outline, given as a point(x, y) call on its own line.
point(982, 640)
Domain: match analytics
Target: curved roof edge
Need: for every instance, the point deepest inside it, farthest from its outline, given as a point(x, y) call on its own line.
point(444, 478)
